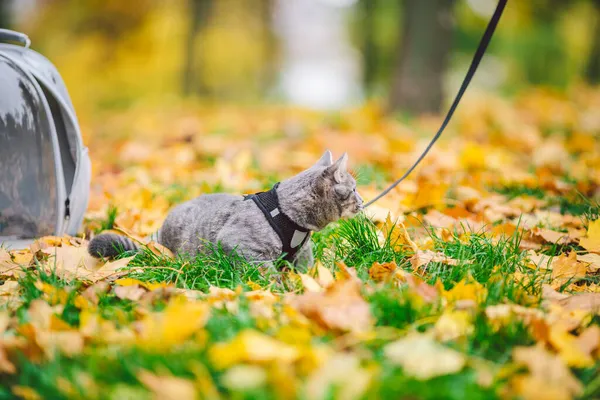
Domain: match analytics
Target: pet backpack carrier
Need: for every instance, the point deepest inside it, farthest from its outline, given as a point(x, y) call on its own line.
point(44, 166)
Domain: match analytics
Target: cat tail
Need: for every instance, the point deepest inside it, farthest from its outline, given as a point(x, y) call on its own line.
point(111, 245)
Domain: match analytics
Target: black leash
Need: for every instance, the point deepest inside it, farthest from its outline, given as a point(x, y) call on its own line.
point(483, 44)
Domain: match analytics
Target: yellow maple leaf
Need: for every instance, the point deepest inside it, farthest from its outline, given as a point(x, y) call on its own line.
point(567, 269)
point(568, 347)
point(176, 323)
point(591, 242)
point(468, 289)
point(253, 347)
point(397, 235)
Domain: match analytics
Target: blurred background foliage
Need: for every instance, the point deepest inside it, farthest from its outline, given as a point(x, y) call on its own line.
point(409, 54)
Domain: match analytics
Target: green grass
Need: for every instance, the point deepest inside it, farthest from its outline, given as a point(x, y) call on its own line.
point(573, 203)
point(111, 216)
point(213, 268)
point(356, 242)
point(395, 308)
point(489, 262)
point(394, 384)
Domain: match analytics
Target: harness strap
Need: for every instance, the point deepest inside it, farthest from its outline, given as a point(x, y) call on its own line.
point(292, 235)
point(483, 44)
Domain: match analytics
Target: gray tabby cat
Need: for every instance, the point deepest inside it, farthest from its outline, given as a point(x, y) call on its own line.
point(322, 194)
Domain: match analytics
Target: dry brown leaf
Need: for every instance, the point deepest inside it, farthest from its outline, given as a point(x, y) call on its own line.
point(6, 365)
point(548, 293)
point(309, 284)
point(397, 235)
point(424, 257)
point(70, 262)
point(439, 220)
point(13, 268)
point(550, 236)
point(592, 260)
point(589, 339)
point(546, 371)
point(541, 261)
point(382, 272)
point(566, 269)
point(92, 292)
point(339, 308)
point(323, 275)
point(166, 387)
point(589, 302)
point(133, 292)
point(159, 249)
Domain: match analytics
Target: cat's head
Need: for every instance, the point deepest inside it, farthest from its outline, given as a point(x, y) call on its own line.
point(337, 187)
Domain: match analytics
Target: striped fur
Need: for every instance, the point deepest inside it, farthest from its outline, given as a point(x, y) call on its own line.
point(111, 245)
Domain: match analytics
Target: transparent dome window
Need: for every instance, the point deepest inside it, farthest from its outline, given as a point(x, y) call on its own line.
point(28, 187)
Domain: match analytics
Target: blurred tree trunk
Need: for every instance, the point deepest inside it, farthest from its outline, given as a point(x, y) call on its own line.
point(426, 39)
point(4, 14)
point(198, 14)
point(269, 69)
point(369, 48)
point(592, 72)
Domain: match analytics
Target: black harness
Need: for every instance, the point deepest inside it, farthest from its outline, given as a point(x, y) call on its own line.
point(292, 235)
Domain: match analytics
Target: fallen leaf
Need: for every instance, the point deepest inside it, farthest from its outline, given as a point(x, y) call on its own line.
point(589, 302)
point(323, 275)
point(397, 235)
point(548, 373)
point(592, 260)
point(132, 292)
point(468, 289)
point(340, 307)
point(159, 249)
point(541, 261)
point(550, 236)
point(176, 323)
point(423, 358)
point(309, 284)
point(568, 347)
point(566, 269)
point(382, 272)
point(424, 257)
point(589, 339)
point(251, 346)
point(6, 366)
point(591, 242)
point(70, 262)
point(166, 387)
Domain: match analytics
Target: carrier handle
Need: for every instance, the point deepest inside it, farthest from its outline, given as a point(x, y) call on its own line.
point(6, 35)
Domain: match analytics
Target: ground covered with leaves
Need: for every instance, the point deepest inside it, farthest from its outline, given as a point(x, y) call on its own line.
point(478, 277)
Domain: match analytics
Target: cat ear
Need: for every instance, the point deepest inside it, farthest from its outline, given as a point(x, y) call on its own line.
point(326, 159)
point(339, 168)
